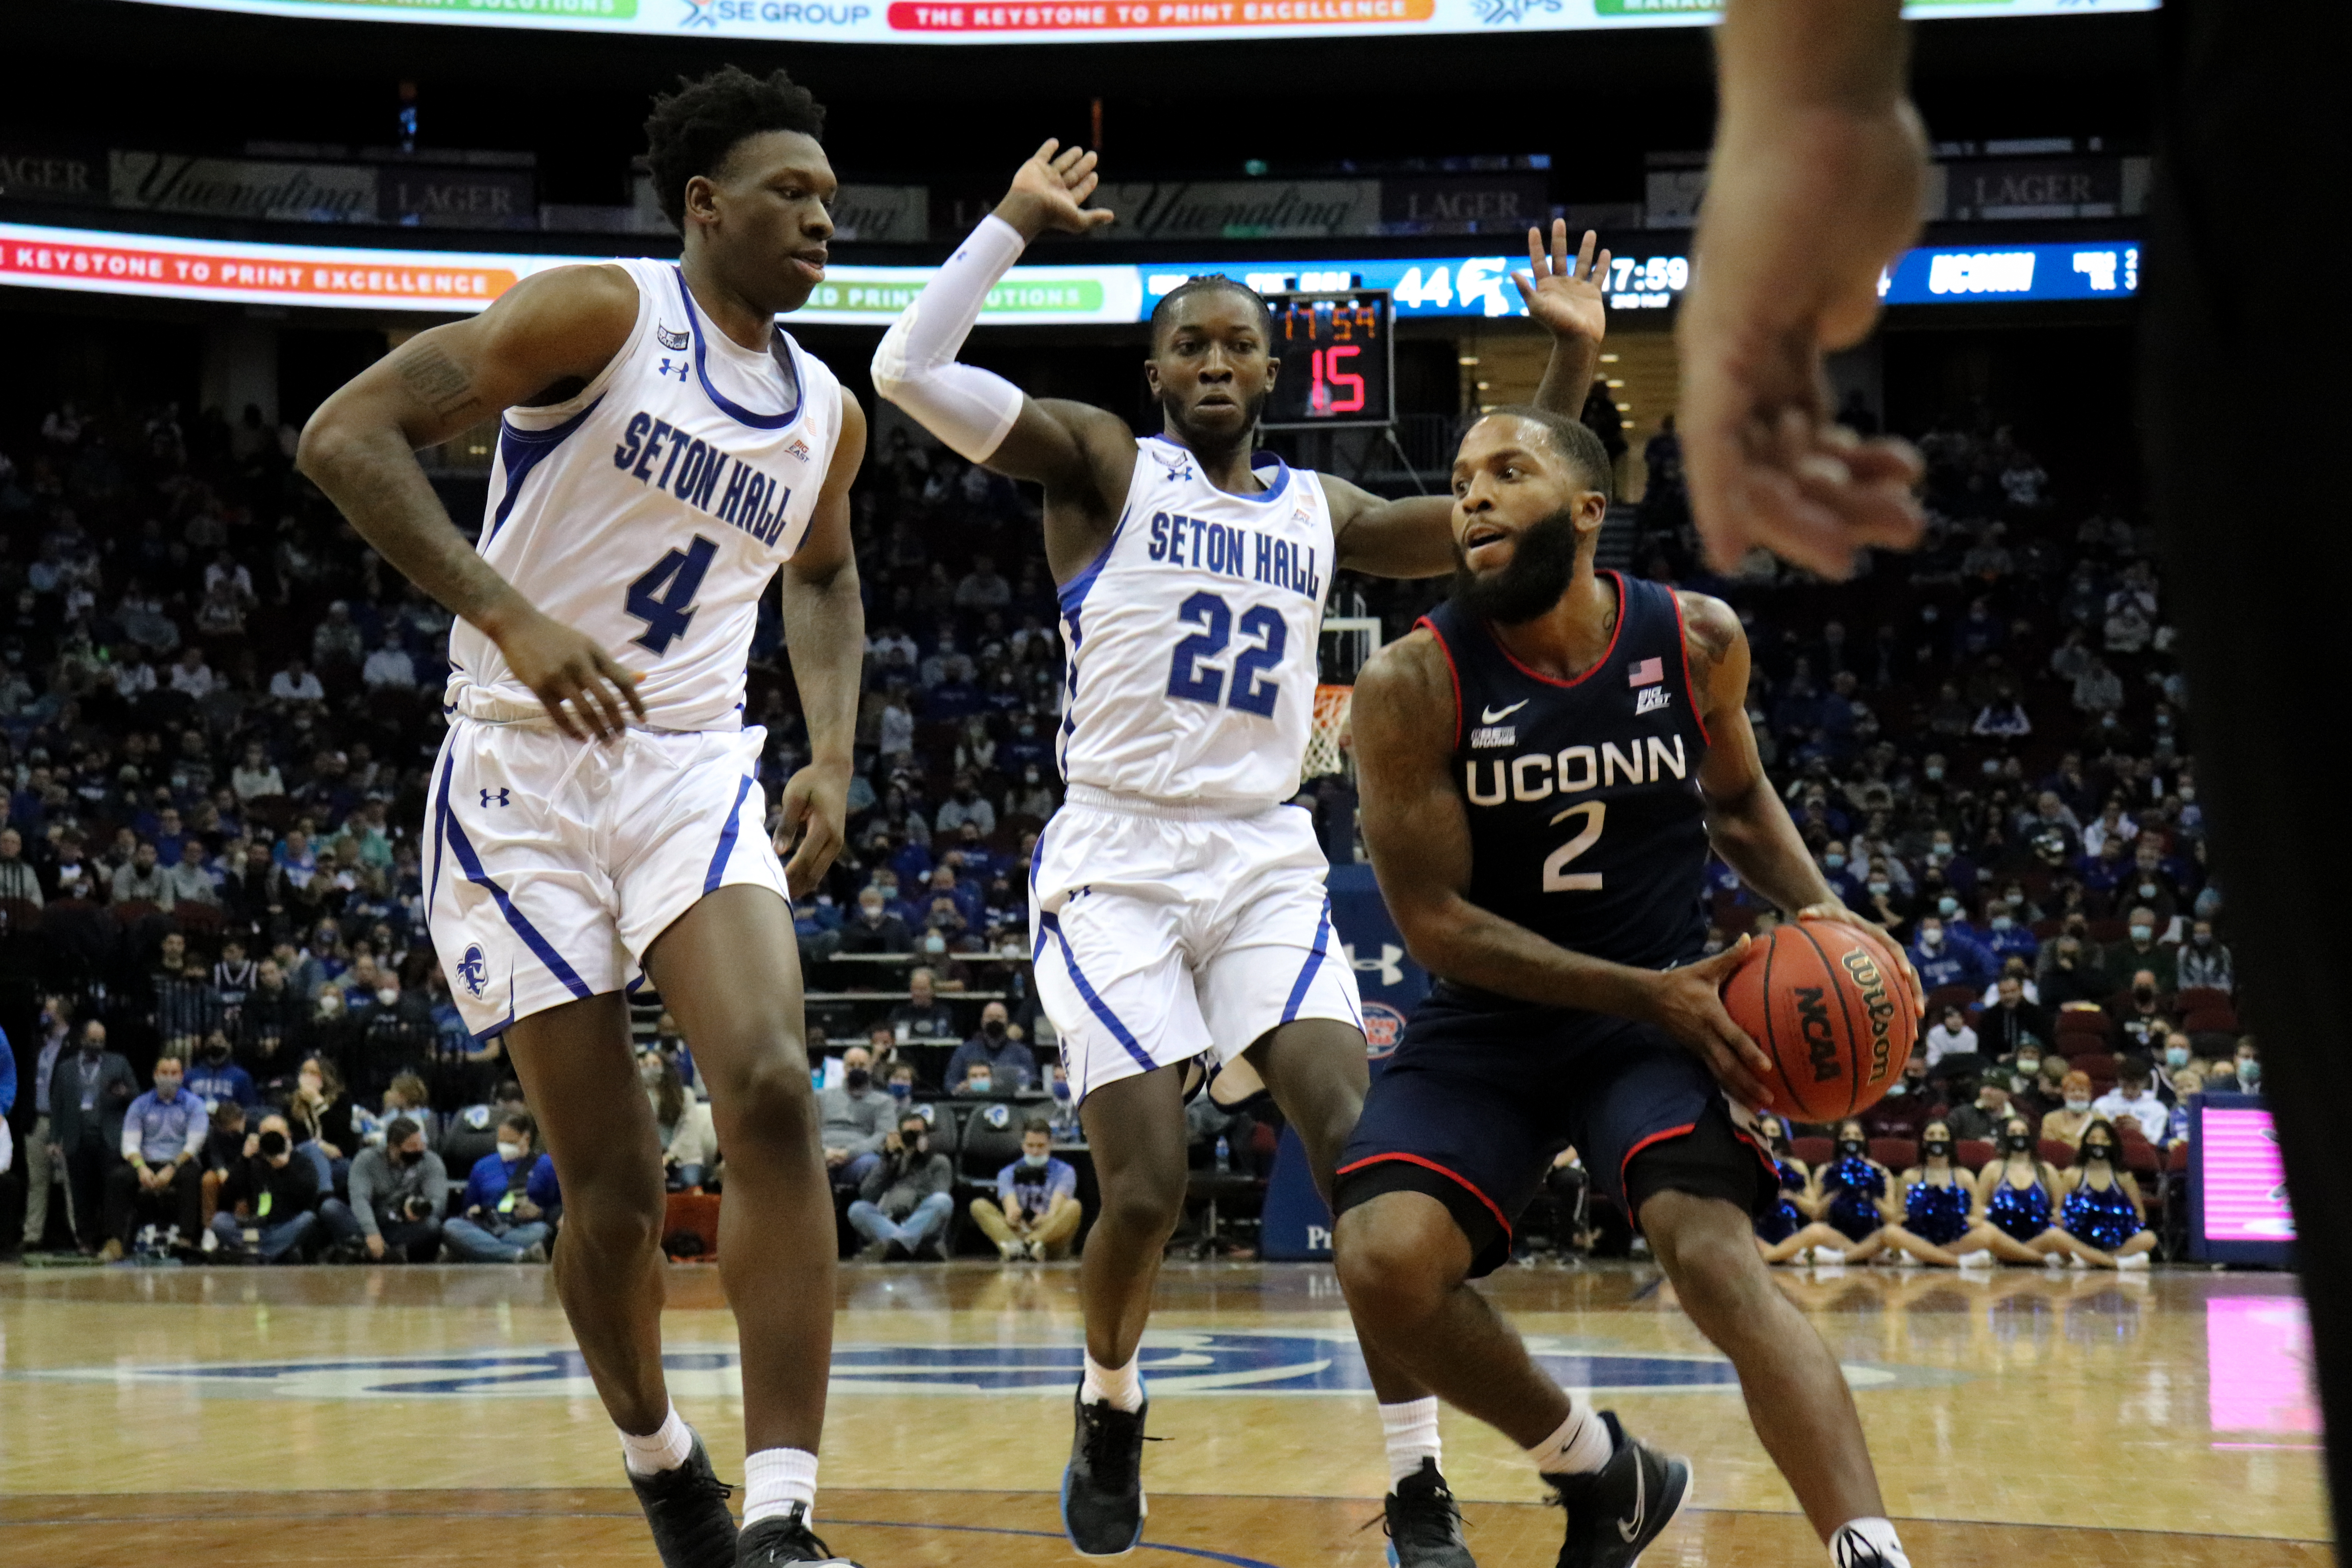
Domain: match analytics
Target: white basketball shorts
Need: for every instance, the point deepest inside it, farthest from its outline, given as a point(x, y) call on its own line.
point(1166, 932)
point(552, 864)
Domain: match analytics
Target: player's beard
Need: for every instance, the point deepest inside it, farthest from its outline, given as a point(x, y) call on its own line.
point(1542, 562)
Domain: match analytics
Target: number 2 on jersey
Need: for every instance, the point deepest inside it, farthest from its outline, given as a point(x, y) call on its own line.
point(1254, 687)
point(1556, 876)
point(663, 597)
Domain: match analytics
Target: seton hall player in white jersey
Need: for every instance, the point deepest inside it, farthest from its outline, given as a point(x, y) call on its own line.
point(1178, 907)
point(595, 811)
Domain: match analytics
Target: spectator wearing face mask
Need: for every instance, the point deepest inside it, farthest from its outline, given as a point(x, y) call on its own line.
point(873, 928)
point(2038, 1085)
point(855, 1115)
point(2140, 950)
point(1951, 1037)
point(2067, 1124)
point(398, 1194)
point(1034, 1214)
point(2204, 963)
point(2102, 1208)
point(998, 1051)
point(2242, 1073)
point(905, 1198)
point(510, 1203)
point(1064, 1114)
point(1944, 957)
point(162, 1161)
point(2141, 1017)
point(2134, 1099)
point(267, 1202)
point(1882, 900)
point(1909, 1103)
point(2009, 939)
point(213, 1079)
point(91, 1092)
point(922, 1016)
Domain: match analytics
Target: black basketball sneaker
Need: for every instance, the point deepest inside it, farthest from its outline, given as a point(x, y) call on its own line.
point(688, 1510)
point(1102, 1491)
point(786, 1540)
point(1616, 1511)
point(1423, 1524)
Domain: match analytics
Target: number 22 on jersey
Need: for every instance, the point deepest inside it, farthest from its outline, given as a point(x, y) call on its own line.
point(1253, 688)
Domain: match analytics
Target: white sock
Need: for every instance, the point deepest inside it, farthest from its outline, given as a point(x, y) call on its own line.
point(1867, 1543)
point(1581, 1446)
point(774, 1479)
point(1121, 1385)
point(665, 1449)
point(1411, 1429)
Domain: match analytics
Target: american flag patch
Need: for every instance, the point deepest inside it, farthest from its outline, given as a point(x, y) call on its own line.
point(1649, 672)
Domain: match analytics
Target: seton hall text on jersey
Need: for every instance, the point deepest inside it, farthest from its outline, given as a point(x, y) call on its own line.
point(691, 468)
point(1182, 540)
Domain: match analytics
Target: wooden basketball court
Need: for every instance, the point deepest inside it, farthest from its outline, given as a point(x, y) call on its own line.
point(438, 1415)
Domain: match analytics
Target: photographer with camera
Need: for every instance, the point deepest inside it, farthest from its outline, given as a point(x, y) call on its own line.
point(511, 1200)
point(399, 1193)
point(267, 1202)
point(905, 1200)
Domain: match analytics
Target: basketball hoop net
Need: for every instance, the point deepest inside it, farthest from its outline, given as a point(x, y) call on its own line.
point(1328, 741)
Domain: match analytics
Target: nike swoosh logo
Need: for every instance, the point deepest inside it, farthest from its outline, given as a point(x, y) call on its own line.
point(1630, 1528)
point(1497, 715)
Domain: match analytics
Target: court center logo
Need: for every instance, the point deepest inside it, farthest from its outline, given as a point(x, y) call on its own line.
point(1178, 1362)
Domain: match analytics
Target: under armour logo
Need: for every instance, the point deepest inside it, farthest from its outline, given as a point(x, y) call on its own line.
point(499, 792)
point(664, 369)
point(1389, 965)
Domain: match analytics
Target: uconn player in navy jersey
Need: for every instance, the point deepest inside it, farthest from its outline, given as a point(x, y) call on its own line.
point(1543, 766)
point(1178, 909)
point(664, 452)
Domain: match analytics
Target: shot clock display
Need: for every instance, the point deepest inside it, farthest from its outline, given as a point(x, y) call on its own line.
point(1339, 360)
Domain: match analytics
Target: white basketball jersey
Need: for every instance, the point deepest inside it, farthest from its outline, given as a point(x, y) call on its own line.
point(650, 512)
point(1191, 638)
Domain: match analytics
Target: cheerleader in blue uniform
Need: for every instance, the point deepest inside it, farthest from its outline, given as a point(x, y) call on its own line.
point(1784, 1218)
point(2101, 1206)
point(2017, 1194)
point(1850, 1199)
point(1939, 1222)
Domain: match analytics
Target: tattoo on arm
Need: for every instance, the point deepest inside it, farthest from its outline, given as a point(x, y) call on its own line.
point(437, 381)
point(1707, 644)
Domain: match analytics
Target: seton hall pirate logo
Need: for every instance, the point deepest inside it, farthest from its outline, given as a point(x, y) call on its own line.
point(474, 970)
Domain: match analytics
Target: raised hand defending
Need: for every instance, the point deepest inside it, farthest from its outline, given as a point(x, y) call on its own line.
point(1565, 296)
point(1049, 193)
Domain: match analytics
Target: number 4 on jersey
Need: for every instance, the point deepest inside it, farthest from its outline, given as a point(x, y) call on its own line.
point(663, 597)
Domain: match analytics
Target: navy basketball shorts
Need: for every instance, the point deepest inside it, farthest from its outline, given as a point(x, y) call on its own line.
point(1476, 1103)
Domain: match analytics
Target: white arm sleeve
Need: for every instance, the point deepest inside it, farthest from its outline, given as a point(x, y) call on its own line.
point(968, 408)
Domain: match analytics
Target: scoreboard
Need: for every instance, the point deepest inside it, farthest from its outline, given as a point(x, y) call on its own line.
point(1337, 353)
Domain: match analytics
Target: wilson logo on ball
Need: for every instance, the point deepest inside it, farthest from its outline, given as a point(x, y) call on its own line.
point(1821, 999)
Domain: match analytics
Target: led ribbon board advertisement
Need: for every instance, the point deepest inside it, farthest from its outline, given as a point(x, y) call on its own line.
point(455, 283)
point(1073, 21)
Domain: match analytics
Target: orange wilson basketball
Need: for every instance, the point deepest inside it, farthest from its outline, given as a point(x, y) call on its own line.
point(1828, 1006)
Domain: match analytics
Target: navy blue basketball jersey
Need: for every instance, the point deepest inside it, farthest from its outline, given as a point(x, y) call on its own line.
point(1586, 824)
